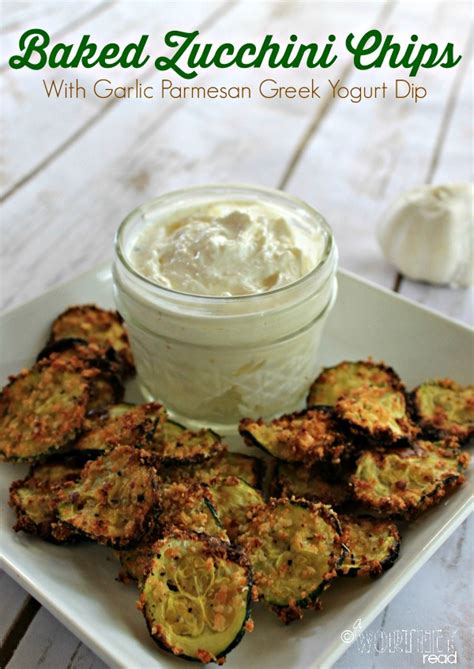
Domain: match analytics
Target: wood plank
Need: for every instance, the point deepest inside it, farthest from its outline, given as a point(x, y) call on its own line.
point(453, 163)
point(55, 122)
point(49, 644)
point(134, 153)
point(11, 603)
point(364, 154)
point(53, 16)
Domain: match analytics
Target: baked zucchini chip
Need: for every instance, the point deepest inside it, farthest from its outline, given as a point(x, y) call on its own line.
point(373, 545)
point(333, 382)
point(226, 464)
point(292, 480)
point(98, 326)
point(42, 410)
point(172, 443)
point(189, 507)
point(444, 408)
point(106, 386)
point(196, 597)
point(378, 414)
point(294, 547)
point(308, 436)
point(181, 507)
point(114, 499)
point(35, 502)
point(405, 481)
point(246, 467)
point(124, 424)
point(234, 500)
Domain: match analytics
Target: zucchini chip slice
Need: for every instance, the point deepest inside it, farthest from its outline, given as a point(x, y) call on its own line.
point(114, 499)
point(373, 545)
point(172, 443)
point(127, 425)
point(444, 408)
point(35, 502)
point(235, 500)
point(42, 410)
point(246, 467)
point(378, 414)
point(308, 436)
point(98, 326)
point(189, 507)
point(333, 382)
point(106, 386)
point(196, 597)
point(292, 480)
point(226, 464)
point(405, 481)
point(181, 507)
point(294, 547)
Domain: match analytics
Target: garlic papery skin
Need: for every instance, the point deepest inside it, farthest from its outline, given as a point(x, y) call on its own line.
point(428, 232)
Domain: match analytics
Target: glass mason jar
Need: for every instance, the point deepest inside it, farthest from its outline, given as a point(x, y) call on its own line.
point(213, 360)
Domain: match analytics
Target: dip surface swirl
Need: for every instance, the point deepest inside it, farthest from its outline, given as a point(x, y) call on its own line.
point(226, 249)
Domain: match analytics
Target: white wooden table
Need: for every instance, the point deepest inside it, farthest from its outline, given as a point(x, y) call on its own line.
point(71, 170)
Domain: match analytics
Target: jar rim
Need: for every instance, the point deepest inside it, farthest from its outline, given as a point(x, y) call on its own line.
point(329, 248)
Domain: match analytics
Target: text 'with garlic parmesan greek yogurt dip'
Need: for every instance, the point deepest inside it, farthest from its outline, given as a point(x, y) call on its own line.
point(225, 290)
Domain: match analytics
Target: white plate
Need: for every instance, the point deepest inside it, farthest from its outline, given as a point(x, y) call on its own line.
point(77, 584)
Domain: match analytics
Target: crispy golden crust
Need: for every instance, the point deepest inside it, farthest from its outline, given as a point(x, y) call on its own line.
point(444, 408)
point(43, 409)
point(406, 481)
point(172, 443)
point(246, 467)
point(377, 414)
point(189, 507)
point(95, 325)
point(35, 502)
point(106, 386)
point(308, 436)
point(181, 507)
point(294, 547)
point(334, 382)
point(196, 596)
point(133, 427)
point(114, 499)
point(292, 480)
point(234, 500)
point(373, 545)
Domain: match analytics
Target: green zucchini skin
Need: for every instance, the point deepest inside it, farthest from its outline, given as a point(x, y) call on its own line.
point(335, 381)
point(440, 466)
point(309, 436)
point(372, 565)
point(437, 420)
point(275, 535)
point(223, 550)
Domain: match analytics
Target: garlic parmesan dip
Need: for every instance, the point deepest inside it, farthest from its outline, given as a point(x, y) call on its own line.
point(225, 291)
point(227, 249)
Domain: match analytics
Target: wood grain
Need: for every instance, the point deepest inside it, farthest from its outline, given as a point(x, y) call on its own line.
point(363, 155)
point(136, 152)
point(70, 172)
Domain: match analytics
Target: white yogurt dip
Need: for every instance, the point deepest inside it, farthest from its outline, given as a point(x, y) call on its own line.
point(225, 291)
point(226, 249)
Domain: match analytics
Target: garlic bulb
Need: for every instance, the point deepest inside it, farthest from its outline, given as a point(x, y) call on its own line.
point(428, 233)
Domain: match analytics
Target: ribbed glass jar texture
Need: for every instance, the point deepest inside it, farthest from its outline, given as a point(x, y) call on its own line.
point(214, 360)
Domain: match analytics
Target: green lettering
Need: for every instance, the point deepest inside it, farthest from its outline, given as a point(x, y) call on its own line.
point(32, 42)
point(366, 46)
point(164, 63)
